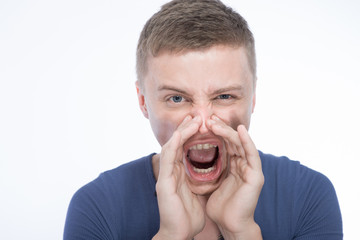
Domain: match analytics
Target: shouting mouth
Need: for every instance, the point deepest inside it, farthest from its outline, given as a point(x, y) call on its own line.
point(203, 161)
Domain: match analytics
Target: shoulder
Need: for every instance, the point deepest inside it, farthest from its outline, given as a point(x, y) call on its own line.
point(115, 178)
point(307, 195)
point(282, 167)
point(96, 205)
point(141, 167)
point(288, 175)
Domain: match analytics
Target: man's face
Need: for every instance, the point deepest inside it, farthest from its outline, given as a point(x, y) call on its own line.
point(216, 82)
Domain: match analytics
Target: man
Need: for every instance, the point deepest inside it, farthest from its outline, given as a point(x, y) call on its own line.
point(196, 84)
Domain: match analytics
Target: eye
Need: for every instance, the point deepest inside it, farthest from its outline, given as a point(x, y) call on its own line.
point(176, 99)
point(224, 96)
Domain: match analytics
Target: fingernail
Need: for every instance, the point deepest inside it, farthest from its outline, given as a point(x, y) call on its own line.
point(215, 118)
point(197, 118)
point(210, 122)
point(188, 117)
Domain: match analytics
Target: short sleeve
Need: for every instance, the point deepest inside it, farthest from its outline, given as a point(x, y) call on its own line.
point(85, 218)
point(319, 214)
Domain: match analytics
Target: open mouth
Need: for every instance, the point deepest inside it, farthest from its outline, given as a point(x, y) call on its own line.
point(203, 161)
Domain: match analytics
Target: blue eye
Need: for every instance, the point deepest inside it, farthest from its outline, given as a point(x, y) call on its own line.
point(224, 96)
point(176, 99)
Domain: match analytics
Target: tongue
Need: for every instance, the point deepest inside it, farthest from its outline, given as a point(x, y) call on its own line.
point(202, 156)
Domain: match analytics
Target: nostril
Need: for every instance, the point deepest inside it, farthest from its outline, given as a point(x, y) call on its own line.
point(203, 128)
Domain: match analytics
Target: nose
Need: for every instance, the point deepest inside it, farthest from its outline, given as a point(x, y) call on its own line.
point(205, 111)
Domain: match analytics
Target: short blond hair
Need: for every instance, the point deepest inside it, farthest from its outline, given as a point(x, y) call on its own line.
point(183, 25)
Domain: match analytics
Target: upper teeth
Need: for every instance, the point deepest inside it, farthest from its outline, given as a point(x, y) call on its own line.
point(202, 146)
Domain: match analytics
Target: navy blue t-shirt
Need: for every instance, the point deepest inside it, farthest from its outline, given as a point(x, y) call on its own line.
point(295, 203)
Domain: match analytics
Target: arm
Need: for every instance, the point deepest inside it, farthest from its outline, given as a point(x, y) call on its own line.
point(181, 215)
point(233, 204)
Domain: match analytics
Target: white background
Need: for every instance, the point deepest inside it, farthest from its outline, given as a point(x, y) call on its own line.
point(68, 107)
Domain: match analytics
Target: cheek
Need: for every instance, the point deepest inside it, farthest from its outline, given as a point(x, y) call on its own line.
point(164, 125)
point(235, 116)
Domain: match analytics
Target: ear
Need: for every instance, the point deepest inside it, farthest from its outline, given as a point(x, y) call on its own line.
point(141, 99)
point(254, 98)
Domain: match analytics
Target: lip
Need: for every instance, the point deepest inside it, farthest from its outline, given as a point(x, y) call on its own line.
point(204, 177)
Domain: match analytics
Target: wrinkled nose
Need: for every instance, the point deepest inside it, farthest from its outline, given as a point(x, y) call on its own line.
point(205, 112)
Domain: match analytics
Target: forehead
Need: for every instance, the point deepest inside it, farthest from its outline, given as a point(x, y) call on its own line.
point(210, 69)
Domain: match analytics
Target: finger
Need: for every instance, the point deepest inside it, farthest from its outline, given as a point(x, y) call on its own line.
point(230, 147)
point(221, 129)
point(189, 128)
point(185, 121)
point(234, 150)
point(172, 150)
point(168, 155)
point(252, 154)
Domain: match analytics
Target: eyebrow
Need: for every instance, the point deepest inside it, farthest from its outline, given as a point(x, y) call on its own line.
point(227, 89)
point(165, 87)
point(218, 91)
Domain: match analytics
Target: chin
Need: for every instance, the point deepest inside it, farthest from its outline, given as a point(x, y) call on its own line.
point(204, 189)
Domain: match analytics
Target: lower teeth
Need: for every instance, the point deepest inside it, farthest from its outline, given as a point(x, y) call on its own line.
point(199, 170)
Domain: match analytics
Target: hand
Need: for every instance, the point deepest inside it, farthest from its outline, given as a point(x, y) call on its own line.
point(181, 215)
point(233, 204)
